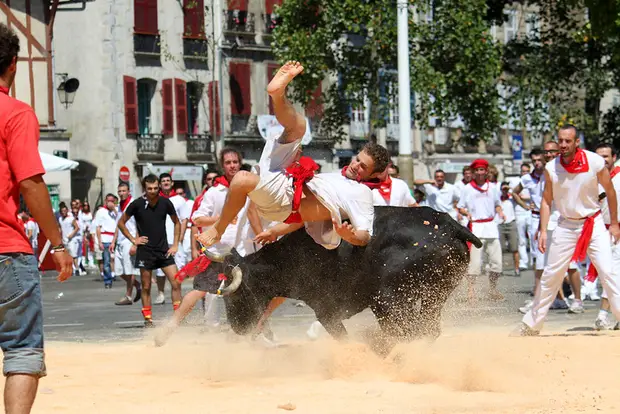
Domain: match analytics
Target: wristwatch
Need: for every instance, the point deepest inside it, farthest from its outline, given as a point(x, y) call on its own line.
point(58, 249)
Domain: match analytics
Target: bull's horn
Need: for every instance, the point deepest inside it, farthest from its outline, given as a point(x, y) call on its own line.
point(214, 257)
point(237, 277)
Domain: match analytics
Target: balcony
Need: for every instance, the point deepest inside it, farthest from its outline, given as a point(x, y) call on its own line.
point(239, 124)
point(150, 147)
point(196, 53)
point(271, 21)
point(239, 27)
point(146, 44)
point(200, 147)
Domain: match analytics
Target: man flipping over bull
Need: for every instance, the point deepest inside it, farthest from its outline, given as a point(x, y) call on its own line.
point(282, 194)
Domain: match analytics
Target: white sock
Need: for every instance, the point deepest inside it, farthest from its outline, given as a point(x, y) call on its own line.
point(602, 315)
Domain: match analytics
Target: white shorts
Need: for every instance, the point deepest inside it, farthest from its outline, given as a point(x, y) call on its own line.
point(124, 263)
point(73, 246)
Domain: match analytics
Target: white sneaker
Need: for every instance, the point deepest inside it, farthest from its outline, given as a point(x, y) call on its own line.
point(161, 299)
point(314, 331)
point(524, 330)
point(602, 324)
point(526, 308)
point(575, 307)
point(593, 296)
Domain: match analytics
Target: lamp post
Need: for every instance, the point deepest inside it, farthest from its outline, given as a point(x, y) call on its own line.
point(405, 160)
point(66, 90)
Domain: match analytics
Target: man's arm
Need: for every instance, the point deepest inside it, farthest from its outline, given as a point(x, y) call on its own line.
point(612, 202)
point(545, 213)
point(293, 122)
point(254, 219)
point(516, 194)
point(76, 228)
point(348, 233)
point(422, 182)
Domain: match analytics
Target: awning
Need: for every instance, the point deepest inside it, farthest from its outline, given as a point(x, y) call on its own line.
point(53, 163)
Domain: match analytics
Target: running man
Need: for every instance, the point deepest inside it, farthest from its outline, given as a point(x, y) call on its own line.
point(153, 251)
point(572, 183)
point(328, 197)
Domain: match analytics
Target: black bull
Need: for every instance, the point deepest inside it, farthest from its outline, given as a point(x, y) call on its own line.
point(412, 264)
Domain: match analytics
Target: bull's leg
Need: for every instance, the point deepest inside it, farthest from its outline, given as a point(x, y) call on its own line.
point(335, 328)
point(273, 305)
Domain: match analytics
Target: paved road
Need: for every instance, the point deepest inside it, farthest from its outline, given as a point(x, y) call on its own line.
point(82, 310)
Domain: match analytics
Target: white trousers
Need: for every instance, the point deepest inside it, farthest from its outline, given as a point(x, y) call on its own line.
point(563, 242)
point(524, 224)
point(615, 258)
point(492, 249)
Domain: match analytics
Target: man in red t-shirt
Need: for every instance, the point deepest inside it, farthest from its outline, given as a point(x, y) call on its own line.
point(21, 170)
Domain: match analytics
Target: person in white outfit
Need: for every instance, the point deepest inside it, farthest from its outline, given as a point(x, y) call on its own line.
point(509, 237)
point(571, 182)
point(480, 201)
point(468, 174)
point(608, 153)
point(70, 235)
point(440, 195)
point(523, 218)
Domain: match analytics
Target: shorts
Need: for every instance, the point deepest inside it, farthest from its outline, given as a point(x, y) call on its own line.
point(508, 237)
point(124, 263)
point(149, 259)
point(74, 247)
point(98, 253)
point(208, 281)
point(21, 315)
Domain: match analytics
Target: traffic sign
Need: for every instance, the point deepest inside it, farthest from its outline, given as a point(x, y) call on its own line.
point(123, 174)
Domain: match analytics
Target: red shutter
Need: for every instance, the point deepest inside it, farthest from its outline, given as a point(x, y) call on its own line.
point(194, 18)
point(131, 104)
point(269, 5)
point(168, 128)
point(314, 109)
point(214, 108)
point(241, 98)
point(145, 17)
point(272, 68)
point(181, 105)
point(238, 5)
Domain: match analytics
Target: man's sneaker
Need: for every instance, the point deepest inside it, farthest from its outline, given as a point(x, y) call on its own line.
point(526, 308)
point(148, 323)
point(161, 299)
point(602, 324)
point(517, 272)
point(524, 330)
point(576, 307)
point(126, 300)
point(558, 304)
point(593, 296)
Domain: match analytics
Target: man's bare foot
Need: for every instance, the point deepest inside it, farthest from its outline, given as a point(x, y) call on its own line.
point(283, 77)
point(209, 237)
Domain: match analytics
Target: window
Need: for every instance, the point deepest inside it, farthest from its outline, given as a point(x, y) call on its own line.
point(180, 105)
point(194, 94)
point(146, 91)
point(240, 95)
point(427, 15)
point(194, 19)
point(131, 105)
point(532, 25)
point(214, 108)
point(510, 26)
point(269, 5)
point(145, 17)
point(238, 5)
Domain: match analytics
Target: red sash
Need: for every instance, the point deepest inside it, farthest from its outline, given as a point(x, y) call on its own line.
point(579, 164)
point(584, 238)
point(302, 171)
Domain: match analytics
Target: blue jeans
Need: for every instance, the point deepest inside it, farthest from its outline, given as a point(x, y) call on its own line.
point(107, 266)
point(21, 315)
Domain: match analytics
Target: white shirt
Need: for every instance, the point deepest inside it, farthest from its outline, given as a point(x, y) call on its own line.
point(344, 198)
point(180, 205)
point(576, 195)
point(604, 205)
point(32, 225)
point(211, 205)
point(525, 193)
point(508, 207)
point(534, 188)
point(66, 227)
point(400, 196)
point(481, 206)
point(130, 224)
point(442, 199)
point(85, 221)
point(106, 220)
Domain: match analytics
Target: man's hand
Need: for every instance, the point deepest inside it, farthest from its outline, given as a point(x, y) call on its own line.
point(140, 241)
point(344, 230)
point(265, 237)
point(542, 240)
point(101, 246)
point(614, 229)
point(172, 251)
point(234, 221)
point(64, 264)
point(132, 250)
point(502, 216)
point(112, 247)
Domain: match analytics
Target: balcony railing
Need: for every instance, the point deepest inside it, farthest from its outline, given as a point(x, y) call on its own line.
point(195, 48)
point(239, 124)
point(146, 44)
point(239, 22)
point(200, 146)
point(271, 21)
point(150, 146)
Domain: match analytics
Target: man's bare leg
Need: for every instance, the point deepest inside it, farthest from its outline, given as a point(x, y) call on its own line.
point(146, 276)
point(574, 278)
point(20, 391)
point(179, 315)
point(175, 286)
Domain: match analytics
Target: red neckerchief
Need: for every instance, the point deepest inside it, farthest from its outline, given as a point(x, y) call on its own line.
point(477, 187)
point(125, 203)
point(579, 164)
point(196, 205)
point(302, 171)
point(614, 172)
point(173, 192)
point(505, 197)
point(4, 90)
point(384, 187)
point(535, 178)
point(344, 173)
point(221, 180)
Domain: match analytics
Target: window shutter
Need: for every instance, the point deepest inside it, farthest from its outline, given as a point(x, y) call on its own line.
point(180, 94)
point(193, 18)
point(214, 108)
point(168, 127)
point(272, 68)
point(315, 105)
point(269, 5)
point(241, 99)
point(238, 5)
point(131, 104)
point(145, 17)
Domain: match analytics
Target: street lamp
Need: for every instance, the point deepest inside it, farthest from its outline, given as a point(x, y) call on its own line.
point(66, 90)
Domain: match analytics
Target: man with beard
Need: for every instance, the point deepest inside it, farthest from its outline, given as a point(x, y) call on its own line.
point(297, 195)
point(124, 258)
point(480, 201)
point(572, 183)
point(153, 251)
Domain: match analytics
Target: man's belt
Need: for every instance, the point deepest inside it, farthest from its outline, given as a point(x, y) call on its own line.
point(486, 220)
point(107, 233)
point(536, 213)
point(584, 238)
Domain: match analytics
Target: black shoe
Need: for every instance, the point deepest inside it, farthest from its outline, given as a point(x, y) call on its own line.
point(148, 323)
point(108, 286)
point(138, 295)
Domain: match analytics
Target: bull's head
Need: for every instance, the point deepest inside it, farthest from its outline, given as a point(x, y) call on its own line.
point(243, 306)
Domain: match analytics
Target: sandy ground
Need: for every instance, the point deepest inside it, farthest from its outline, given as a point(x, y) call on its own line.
point(465, 371)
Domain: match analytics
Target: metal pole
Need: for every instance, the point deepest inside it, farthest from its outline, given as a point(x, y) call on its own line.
point(405, 160)
point(220, 62)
